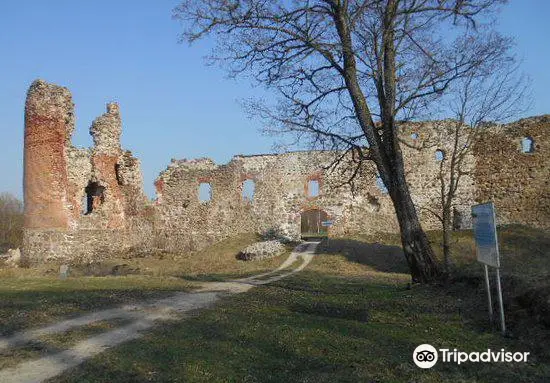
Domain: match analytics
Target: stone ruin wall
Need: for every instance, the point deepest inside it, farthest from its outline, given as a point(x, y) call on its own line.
point(58, 178)
point(518, 183)
point(280, 195)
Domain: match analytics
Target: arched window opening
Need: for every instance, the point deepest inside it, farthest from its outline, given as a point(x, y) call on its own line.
point(249, 188)
point(94, 197)
point(414, 136)
point(313, 188)
point(439, 155)
point(205, 192)
point(527, 145)
point(117, 174)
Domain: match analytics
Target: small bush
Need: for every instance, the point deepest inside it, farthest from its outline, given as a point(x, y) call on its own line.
point(11, 222)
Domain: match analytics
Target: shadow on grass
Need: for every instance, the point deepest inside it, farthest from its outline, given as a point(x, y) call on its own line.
point(26, 309)
point(274, 333)
point(383, 258)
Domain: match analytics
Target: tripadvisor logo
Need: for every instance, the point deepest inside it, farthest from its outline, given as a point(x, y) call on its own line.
point(426, 356)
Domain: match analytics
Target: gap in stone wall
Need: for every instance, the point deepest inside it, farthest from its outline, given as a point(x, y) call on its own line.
point(205, 192)
point(249, 188)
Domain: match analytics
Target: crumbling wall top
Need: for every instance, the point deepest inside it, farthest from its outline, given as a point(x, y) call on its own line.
point(106, 131)
point(52, 102)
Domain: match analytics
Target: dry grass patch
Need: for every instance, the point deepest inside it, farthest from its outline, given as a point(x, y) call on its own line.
point(36, 296)
point(51, 344)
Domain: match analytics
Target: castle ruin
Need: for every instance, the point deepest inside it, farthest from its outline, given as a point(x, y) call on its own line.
point(88, 204)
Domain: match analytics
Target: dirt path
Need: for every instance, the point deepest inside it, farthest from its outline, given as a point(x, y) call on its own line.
point(143, 317)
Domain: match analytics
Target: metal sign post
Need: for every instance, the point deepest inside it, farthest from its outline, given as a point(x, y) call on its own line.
point(327, 224)
point(485, 233)
point(488, 293)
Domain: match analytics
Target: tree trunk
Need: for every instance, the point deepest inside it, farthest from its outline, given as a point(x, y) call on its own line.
point(417, 248)
point(385, 150)
point(447, 227)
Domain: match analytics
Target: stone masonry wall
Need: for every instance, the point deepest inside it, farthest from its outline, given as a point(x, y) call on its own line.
point(517, 182)
point(80, 203)
point(49, 122)
point(84, 204)
point(280, 196)
point(281, 193)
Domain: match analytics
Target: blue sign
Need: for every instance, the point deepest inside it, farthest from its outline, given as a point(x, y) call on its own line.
point(485, 234)
point(327, 223)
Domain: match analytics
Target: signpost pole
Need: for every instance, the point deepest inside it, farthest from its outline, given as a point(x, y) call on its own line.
point(327, 224)
point(488, 293)
point(501, 306)
point(486, 238)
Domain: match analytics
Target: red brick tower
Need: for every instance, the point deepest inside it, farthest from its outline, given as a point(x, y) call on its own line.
point(49, 122)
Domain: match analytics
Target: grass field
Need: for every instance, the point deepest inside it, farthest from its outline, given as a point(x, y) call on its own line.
point(350, 316)
point(32, 297)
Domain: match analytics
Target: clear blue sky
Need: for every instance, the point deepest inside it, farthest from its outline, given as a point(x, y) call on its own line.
point(172, 104)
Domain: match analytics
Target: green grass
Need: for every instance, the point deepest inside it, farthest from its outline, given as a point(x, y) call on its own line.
point(34, 297)
point(315, 327)
point(27, 302)
point(350, 316)
point(56, 343)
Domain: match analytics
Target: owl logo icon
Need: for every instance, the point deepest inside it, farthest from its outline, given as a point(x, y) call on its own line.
point(425, 356)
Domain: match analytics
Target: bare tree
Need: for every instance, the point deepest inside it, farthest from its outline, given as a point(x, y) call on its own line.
point(346, 72)
point(11, 221)
point(492, 94)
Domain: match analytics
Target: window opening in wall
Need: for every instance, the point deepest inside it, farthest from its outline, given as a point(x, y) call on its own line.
point(117, 174)
point(374, 203)
point(313, 188)
point(527, 145)
point(94, 196)
point(205, 192)
point(381, 186)
point(249, 187)
point(414, 136)
point(439, 155)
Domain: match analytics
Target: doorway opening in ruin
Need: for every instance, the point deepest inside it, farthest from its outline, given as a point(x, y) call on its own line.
point(527, 145)
point(94, 197)
point(205, 192)
point(248, 190)
point(117, 174)
point(311, 223)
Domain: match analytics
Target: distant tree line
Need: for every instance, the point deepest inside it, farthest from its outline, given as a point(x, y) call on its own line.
point(11, 222)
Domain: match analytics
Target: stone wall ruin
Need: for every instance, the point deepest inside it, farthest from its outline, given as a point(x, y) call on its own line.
point(88, 203)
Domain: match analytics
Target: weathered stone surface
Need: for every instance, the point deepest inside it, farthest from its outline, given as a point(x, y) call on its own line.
point(63, 271)
point(12, 258)
point(88, 204)
point(518, 183)
point(80, 203)
point(261, 250)
point(49, 122)
point(106, 131)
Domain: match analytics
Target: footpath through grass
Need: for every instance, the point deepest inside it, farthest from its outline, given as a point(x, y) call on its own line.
point(350, 316)
point(346, 318)
point(36, 297)
point(27, 302)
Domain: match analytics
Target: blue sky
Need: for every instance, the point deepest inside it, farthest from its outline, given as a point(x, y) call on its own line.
point(172, 104)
